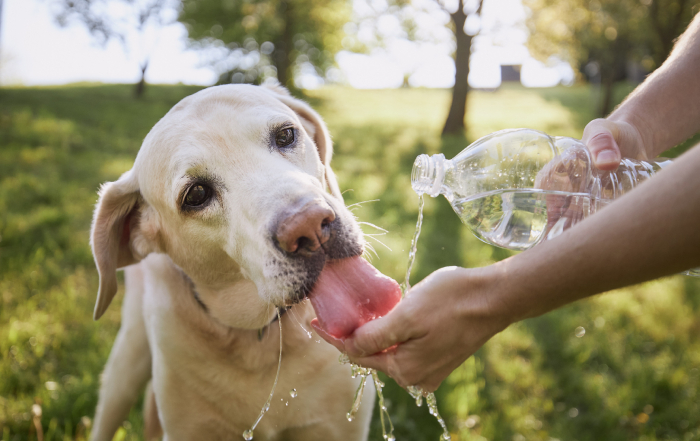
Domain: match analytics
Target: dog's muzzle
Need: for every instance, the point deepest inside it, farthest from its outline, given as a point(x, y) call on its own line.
point(308, 233)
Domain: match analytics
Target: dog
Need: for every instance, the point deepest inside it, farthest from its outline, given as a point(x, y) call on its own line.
point(226, 218)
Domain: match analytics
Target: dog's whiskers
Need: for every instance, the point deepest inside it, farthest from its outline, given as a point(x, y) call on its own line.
point(372, 236)
point(373, 226)
point(368, 247)
point(359, 204)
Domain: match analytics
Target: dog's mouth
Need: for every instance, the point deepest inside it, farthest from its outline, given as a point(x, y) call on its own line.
point(350, 292)
point(345, 290)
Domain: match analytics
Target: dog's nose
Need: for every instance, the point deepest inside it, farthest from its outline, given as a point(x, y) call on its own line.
point(306, 229)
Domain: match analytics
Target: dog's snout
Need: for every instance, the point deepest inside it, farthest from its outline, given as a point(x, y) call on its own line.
point(305, 230)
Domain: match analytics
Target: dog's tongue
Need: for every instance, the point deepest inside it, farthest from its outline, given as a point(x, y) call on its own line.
point(349, 293)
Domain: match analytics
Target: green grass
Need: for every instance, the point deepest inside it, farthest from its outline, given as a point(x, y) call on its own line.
point(634, 375)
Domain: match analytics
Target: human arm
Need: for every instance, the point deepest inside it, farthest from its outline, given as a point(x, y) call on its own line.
point(650, 232)
point(661, 113)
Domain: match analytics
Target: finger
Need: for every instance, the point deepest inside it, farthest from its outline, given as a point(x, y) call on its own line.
point(385, 362)
point(599, 136)
point(380, 334)
point(338, 343)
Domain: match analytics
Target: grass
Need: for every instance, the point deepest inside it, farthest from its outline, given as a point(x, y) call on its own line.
point(634, 375)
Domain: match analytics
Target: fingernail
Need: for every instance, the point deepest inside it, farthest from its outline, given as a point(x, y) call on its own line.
point(606, 157)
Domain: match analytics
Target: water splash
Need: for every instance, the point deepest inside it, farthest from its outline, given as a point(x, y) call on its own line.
point(364, 374)
point(387, 426)
point(417, 394)
point(358, 398)
point(248, 434)
point(432, 405)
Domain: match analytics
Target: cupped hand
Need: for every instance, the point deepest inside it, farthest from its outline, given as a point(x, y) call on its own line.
point(609, 141)
point(440, 323)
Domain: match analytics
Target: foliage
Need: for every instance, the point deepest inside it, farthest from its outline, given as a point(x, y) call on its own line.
point(606, 35)
point(423, 21)
point(114, 19)
point(634, 375)
point(106, 19)
point(259, 39)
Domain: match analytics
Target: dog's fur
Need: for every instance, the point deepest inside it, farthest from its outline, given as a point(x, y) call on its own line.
point(201, 284)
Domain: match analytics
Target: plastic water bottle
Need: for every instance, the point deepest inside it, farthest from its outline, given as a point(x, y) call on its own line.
point(516, 188)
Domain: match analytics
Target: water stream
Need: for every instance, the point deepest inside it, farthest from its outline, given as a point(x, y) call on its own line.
point(416, 392)
point(248, 434)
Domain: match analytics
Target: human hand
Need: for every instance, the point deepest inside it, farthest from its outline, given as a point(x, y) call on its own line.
point(609, 141)
point(441, 322)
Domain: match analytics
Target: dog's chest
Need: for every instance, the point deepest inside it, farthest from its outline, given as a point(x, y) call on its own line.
point(216, 383)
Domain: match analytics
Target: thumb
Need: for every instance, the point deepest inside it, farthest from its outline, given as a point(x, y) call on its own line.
point(600, 138)
point(379, 334)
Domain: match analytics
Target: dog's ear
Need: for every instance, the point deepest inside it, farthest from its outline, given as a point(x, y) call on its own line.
point(317, 130)
point(115, 218)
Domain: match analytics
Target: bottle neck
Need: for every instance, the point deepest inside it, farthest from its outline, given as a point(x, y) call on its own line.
point(428, 174)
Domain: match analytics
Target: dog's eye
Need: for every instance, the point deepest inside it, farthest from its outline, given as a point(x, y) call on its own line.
point(197, 195)
point(284, 137)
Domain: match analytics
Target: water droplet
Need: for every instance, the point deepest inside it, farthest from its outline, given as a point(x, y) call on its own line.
point(293, 393)
point(286, 403)
point(308, 333)
point(349, 416)
point(580, 332)
point(248, 435)
point(573, 412)
point(390, 438)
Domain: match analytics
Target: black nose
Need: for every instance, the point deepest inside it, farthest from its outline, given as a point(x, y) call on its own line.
point(304, 230)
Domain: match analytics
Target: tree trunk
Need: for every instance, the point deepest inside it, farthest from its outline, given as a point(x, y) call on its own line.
point(458, 108)
point(141, 85)
point(283, 46)
point(607, 80)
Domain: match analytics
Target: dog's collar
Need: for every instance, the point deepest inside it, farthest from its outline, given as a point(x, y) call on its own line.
point(281, 310)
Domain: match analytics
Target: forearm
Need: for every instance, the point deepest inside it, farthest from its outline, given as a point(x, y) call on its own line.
point(651, 232)
point(666, 107)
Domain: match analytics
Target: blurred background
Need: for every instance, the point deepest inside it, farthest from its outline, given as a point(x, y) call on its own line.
point(83, 81)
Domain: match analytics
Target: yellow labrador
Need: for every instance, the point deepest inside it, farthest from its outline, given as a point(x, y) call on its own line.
point(229, 213)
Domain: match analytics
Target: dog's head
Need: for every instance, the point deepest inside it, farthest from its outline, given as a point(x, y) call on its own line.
point(235, 185)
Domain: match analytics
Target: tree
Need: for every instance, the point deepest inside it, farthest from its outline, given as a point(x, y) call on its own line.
point(257, 39)
point(458, 107)
point(606, 35)
point(114, 19)
point(409, 13)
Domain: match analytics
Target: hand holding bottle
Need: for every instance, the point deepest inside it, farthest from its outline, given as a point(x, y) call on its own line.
point(609, 141)
point(449, 315)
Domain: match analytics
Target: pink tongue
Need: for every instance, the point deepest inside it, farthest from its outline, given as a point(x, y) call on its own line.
point(351, 292)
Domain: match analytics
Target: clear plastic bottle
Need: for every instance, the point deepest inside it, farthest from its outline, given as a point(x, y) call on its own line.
point(516, 188)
